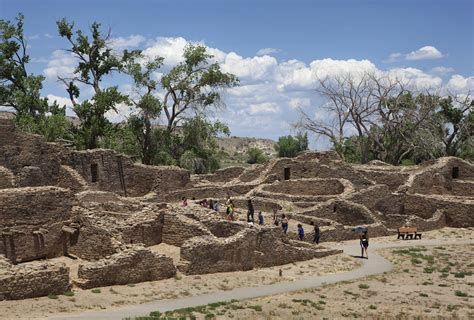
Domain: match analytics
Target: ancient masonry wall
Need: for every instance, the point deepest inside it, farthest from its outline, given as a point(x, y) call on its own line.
point(134, 264)
point(31, 221)
point(209, 254)
point(178, 228)
point(33, 279)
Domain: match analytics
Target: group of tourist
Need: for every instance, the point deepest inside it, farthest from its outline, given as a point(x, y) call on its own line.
point(277, 220)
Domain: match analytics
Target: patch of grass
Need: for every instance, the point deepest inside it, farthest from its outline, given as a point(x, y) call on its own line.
point(373, 307)
point(427, 283)
point(452, 307)
point(69, 293)
point(131, 285)
point(96, 290)
point(406, 270)
point(364, 286)
point(255, 307)
point(428, 270)
point(52, 296)
point(177, 277)
point(422, 294)
point(416, 261)
point(459, 293)
point(443, 285)
point(444, 275)
point(462, 274)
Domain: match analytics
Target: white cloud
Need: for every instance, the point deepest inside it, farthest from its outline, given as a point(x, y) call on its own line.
point(424, 53)
point(442, 70)
point(267, 51)
point(460, 84)
point(171, 49)
point(415, 78)
point(61, 64)
point(131, 41)
point(34, 37)
point(296, 103)
point(61, 101)
point(264, 108)
point(47, 35)
point(255, 68)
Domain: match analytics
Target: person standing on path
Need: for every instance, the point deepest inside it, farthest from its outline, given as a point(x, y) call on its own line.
point(300, 231)
point(364, 244)
point(284, 224)
point(260, 218)
point(250, 211)
point(317, 234)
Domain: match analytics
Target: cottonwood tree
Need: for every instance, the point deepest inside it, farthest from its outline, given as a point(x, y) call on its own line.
point(96, 60)
point(456, 124)
point(21, 90)
point(148, 106)
point(193, 85)
point(378, 110)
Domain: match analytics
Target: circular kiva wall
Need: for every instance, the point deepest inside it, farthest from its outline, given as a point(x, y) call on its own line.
point(307, 187)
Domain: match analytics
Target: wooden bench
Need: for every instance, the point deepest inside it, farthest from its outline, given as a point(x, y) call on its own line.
point(408, 233)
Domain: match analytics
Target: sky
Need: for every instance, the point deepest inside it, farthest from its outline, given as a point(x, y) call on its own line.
point(276, 48)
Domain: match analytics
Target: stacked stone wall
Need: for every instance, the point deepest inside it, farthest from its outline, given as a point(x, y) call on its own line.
point(34, 279)
point(132, 265)
point(177, 229)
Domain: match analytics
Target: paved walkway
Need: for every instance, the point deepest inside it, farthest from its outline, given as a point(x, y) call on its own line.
point(375, 265)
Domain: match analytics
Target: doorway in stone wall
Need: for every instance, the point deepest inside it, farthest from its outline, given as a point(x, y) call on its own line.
point(287, 173)
point(94, 172)
point(455, 173)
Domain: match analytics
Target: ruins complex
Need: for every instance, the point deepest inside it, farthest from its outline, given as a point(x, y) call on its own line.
point(108, 214)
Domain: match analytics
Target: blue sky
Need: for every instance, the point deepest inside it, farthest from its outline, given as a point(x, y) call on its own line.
point(275, 47)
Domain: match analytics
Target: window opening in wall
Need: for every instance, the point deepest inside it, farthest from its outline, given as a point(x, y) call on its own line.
point(94, 172)
point(287, 173)
point(455, 172)
point(334, 209)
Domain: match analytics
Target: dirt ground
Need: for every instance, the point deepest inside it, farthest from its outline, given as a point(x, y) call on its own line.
point(432, 282)
point(180, 286)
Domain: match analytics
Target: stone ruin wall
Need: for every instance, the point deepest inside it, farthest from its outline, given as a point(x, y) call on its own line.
point(33, 279)
point(32, 221)
point(132, 265)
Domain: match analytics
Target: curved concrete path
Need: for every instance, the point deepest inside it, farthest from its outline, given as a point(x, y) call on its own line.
point(375, 265)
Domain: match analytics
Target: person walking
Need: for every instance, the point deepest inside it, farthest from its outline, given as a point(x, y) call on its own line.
point(317, 234)
point(364, 244)
point(284, 224)
point(260, 218)
point(250, 211)
point(300, 231)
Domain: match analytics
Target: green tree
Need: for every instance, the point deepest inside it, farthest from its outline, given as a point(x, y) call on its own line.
point(148, 106)
point(199, 152)
point(95, 61)
point(289, 146)
point(22, 91)
point(193, 85)
point(456, 125)
point(255, 155)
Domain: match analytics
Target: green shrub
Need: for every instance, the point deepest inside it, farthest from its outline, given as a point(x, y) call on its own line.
point(69, 293)
point(255, 155)
point(458, 293)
